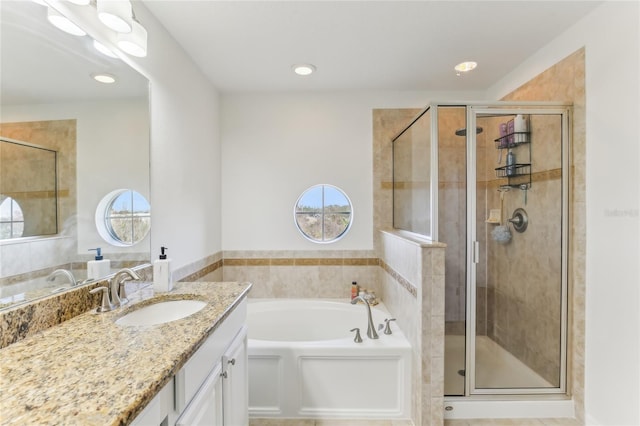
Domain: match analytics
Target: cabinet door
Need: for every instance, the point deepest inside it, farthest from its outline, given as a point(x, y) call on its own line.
point(235, 383)
point(205, 409)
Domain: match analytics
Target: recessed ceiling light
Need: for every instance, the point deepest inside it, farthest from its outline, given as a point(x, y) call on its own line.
point(303, 69)
point(104, 77)
point(466, 66)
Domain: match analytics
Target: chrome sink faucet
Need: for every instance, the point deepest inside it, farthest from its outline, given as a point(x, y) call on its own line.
point(118, 292)
point(52, 276)
point(371, 329)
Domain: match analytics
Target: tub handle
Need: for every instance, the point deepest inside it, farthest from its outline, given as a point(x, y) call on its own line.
point(357, 339)
point(387, 328)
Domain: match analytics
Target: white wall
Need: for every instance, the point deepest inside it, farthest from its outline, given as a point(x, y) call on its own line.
point(276, 145)
point(611, 38)
point(185, 150)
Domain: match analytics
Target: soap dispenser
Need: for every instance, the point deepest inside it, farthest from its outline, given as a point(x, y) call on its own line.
point(162, 279)
point(99, 267)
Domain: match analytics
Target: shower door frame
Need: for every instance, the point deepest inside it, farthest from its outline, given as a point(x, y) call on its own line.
point(473, 246)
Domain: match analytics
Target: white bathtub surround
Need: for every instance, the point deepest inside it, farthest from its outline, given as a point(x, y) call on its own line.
point(304, 363)
point(413, 288)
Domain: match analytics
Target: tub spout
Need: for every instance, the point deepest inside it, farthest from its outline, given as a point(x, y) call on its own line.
point(371, 329)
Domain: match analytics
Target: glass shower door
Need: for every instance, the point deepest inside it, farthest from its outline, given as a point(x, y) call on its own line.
point(517, 256)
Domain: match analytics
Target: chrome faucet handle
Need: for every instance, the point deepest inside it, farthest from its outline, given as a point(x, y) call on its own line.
point(387, 329)
point(118, 292)
point(106, 305)
point(357, 339)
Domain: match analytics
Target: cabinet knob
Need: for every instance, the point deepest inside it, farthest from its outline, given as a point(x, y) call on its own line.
point(224, 374)
point(232, 361)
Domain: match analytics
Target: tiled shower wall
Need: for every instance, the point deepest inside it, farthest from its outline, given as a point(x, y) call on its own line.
point(27, 256)
point(565, 82)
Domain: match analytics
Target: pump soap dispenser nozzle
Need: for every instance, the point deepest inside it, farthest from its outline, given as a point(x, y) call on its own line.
point(162, 250)
point(98, 251)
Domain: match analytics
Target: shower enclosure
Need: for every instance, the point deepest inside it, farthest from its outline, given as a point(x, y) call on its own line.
point(498, 197)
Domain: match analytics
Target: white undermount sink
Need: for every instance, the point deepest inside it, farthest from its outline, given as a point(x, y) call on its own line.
point(162, 312)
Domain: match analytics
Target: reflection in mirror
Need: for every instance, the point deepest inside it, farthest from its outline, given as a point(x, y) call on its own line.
point(28, 198)
point(99, 135)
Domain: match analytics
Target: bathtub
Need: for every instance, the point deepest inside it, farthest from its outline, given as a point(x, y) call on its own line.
point(304, 363)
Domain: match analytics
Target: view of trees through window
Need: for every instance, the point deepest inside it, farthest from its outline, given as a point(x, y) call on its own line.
point(323, 213)
point(11, 219)
point(129, 217)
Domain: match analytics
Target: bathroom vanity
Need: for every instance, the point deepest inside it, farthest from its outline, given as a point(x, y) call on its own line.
point(92, 371)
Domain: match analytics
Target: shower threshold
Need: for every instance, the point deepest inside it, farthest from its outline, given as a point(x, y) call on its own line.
point(483, 408)
point(496, 368)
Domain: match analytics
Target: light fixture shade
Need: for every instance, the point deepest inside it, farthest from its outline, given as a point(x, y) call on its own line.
point(135, 42)
point(63, 23)
point(103, 49)
point(116, 14)
point(80, 2)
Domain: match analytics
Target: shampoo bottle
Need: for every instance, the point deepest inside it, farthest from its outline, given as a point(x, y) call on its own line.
point(511, 164)
point(354, 290)
point(99, 267)
point(162, 280)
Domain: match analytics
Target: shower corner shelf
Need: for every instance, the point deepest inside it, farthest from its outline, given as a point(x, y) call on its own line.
point(512, 140)
point(517, 175)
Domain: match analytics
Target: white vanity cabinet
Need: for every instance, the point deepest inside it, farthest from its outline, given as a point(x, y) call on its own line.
point(212, 388)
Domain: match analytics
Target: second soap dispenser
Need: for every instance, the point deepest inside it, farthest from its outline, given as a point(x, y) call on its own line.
point(99, 267)
point(162, 279)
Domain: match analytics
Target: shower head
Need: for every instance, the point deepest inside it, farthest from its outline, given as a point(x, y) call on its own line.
point(463, 131)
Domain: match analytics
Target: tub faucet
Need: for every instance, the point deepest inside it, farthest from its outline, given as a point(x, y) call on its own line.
point(118, 292)
point(371, 329)
point(52, 276)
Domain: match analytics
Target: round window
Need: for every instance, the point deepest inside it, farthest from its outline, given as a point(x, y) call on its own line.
point(323, 213)
point(11, 218)
point(123, 217)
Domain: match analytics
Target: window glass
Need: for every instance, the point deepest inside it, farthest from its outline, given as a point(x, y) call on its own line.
point(323, 213)
point(123, 217)
point(11, 218)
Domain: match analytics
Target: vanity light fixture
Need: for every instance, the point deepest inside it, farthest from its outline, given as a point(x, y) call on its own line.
point(135, 42)
point(80, 2)
point(465, 67)
point(104, 49)
point(104, 77)
point(63, 23)
point(304, 69)
point(115, 14)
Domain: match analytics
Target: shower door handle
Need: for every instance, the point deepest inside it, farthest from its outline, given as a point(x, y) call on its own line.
point(476, 252)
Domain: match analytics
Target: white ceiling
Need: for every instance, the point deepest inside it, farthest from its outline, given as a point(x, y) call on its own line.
point(386, 45)
point(41, 64)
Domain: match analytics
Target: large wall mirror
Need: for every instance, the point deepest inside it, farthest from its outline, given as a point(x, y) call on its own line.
point(85, 140)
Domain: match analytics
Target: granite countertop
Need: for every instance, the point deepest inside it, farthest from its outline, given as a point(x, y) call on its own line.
point(90, 371)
